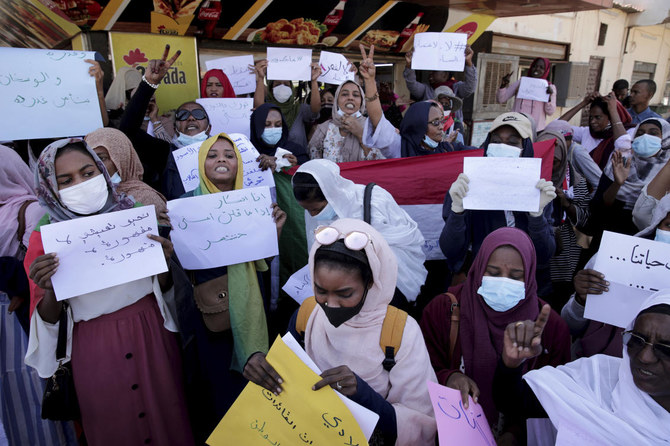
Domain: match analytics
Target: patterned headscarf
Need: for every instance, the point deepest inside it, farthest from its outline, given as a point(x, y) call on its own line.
point(47, 185)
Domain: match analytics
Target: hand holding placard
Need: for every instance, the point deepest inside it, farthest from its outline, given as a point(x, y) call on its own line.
point(236, 68)
point(293, 64)
point(439, 51)
point(228, 115)
point(533, 89)
point(335, 68)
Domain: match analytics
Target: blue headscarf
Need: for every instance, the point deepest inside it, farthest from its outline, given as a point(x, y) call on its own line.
point(413, 129)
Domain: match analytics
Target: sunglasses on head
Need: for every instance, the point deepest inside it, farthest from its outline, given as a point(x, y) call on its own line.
point(636, 342)
point(354, 240)
point(197, 113)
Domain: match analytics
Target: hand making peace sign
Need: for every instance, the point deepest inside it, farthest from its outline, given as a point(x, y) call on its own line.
point(367, 69)
point(523, 339)
point(158, 68)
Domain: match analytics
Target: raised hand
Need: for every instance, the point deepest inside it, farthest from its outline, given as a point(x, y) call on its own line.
point(260, 69)
point(620, 167)
point(95, 71)
point(468, 55)
point(367, 69)
point(408, 58)
point(505, 80)
point(158, 68)
point(458, 191)
point(316, 71)
point(523, 340)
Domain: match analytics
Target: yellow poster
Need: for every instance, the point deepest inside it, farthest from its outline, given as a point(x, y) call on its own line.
point(298, 416)
point(181, 83)
point(473, 25)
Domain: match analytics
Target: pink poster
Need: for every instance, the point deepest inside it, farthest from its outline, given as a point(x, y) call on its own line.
point(455, 424)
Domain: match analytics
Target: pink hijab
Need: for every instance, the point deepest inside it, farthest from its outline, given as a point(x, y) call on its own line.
point(481, 330)
point(16, 187)
point(356, 344)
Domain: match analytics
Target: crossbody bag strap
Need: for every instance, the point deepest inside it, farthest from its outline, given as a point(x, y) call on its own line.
point(20, 232)
point(61, 347)
point(367, 196)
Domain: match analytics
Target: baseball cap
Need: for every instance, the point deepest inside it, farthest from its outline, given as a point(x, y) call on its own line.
point(515, 120)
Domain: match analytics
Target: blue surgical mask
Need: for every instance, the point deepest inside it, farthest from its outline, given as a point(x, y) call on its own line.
point(500, 150)
point(646, 145)
point(662, 236)
point(430, 142)
point(326, 214)
point(271, 135)
point(116, 178)
point(187, 140)
point(501, 293)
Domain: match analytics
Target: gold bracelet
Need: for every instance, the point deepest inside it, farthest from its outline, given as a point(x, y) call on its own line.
point(373, 97)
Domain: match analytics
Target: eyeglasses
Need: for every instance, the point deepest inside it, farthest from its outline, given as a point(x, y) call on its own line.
point(355, 240)
point(437, 123)
point(197, 113)
point(636, 342)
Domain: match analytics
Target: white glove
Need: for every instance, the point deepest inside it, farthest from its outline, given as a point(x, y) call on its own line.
point(547, 195)
point(457, 191)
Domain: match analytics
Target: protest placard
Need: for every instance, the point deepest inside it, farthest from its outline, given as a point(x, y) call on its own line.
point(298, 415)
point(505, 184)
point(292, 64)
point(228, 115)
point(187, 164)
point(457, 425)
point(439, 51)
point(299, 285)
point(49, 87)
point(635, 268)
point(102, 251)
point(335, 68)
point(237, 69)
point(225, 228)
point(533, 88)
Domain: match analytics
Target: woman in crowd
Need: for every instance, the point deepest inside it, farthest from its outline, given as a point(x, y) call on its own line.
point(129, 387)
point(339, 138)
point(353, 274)
point(510, 136)
point(269, 133)
point(500, 289)
point(21, 387)
point(125, 169)
point(215, 84)
point(126, 80)
point(539, 69)
point(593, 337)
point(326, 196)
point(220, 356)
point(282, 93)
point(598, 400)
point(606, 132)
point(650, 196)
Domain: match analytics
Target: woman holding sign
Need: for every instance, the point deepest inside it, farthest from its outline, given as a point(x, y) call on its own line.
point(353, 274)
point(223, 340)
point(215, 84)
point(539, 110)
point(597, 400)
point(125, 360)
point(500, 288)
point(269, 133)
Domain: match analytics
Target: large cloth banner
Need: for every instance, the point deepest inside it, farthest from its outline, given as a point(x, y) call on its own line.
point(181, 83)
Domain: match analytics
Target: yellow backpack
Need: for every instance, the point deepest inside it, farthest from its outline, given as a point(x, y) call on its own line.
point(389, 340)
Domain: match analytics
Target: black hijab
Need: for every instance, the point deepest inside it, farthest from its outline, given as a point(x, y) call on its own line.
point(413, 129)
point(258, 118)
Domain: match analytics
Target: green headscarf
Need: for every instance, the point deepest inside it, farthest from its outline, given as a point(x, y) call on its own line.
point(247, 315)
point(290, 109)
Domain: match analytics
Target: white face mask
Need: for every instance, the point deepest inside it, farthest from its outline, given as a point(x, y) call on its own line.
point(187, 140)
point(503, 151)
point(357, 114)
point(282, 93)
point(86, 198)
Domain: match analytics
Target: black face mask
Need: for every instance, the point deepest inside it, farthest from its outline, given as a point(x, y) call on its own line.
point(338, 316)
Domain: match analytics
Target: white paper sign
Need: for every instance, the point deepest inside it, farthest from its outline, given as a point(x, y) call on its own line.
point(504, 184)
point(103, 250)
point(186, 159)
point(228, 115)
point(366, 419)
point(225, 228)
point(236, 68)
point(439, 51)
point(299, 285)
point(187, 164)
point(533, 88)
point(253, 175)
point(47, 94)
point(292, 64)
point(335, 68)
point(635, 268)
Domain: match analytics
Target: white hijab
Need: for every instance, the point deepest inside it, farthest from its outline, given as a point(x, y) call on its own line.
point(597, 398)
point(356, 344)
point(660, 212)
point(399, 230)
